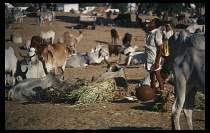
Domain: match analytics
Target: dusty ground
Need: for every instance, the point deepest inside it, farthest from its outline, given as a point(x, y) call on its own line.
point(121, 115)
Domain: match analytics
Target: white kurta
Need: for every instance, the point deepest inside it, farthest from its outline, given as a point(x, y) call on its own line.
point(154, 39)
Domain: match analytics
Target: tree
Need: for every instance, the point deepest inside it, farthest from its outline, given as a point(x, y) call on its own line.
point(166, 8)
point(198, 8)
point(174, 8)
point(20, 4)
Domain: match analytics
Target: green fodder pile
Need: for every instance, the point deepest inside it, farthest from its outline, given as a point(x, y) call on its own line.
point(83, 93)
point(99, 92)
point(199, 101)
point(164, 102)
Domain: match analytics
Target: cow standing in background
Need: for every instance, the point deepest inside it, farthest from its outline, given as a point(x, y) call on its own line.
point(124, 18)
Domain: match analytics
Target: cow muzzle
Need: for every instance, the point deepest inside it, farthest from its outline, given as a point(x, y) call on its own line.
point(41, 58)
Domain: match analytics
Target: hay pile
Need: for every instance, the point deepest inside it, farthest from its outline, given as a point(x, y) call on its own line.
point(164, 102)
point(83, 93)
point(99, 92)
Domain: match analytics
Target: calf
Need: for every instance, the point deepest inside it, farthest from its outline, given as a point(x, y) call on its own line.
point(53, 56)
point(114, 36)
point(114, 49)
point(36, 41)
point(127, 39)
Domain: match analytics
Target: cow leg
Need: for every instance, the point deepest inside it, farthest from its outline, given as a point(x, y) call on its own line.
point(63, 67)
point(180, 90)
point(188, 106)
point(75, 51)
point(72, 50)
point(115, 40)
point(129, 60)
point(112, 40)
point(13, 79)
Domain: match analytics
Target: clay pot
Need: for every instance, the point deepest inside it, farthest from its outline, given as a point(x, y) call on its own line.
point(145, 93)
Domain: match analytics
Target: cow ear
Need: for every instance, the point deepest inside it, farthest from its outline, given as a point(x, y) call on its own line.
point(50, 52)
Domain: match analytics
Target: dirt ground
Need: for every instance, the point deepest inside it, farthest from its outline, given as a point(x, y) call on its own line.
point(120, 115)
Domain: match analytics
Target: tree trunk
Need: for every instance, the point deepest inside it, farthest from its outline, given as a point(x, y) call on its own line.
point(165, 16)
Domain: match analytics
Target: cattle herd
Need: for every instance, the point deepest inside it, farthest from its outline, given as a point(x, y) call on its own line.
point(34, 72)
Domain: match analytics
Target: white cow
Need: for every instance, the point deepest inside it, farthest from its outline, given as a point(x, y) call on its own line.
point(187, 62)
point(135, 58)
point(192, 28)
point(48, 35)
point(10, 63)
point(189, 76)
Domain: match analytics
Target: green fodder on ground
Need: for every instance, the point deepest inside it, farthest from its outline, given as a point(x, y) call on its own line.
point(164, 102)
point(99, 92)
point(83, 93)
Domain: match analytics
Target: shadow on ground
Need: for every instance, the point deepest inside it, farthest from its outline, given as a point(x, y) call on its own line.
point(123, 128)
point(133, 81)
point(101, 42)
point(67, 19)
point(147, 106)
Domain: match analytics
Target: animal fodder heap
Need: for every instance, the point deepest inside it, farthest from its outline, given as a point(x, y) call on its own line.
point(53, 94)
point(164, 102)
point(97, 92)
point(83, 93)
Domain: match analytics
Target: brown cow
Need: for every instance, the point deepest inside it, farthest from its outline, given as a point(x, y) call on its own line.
point(53, 56)
point(35, 42)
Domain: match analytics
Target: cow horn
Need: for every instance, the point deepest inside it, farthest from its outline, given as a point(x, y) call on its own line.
point(22, 55)
point(106, 61)
point(32, 56)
